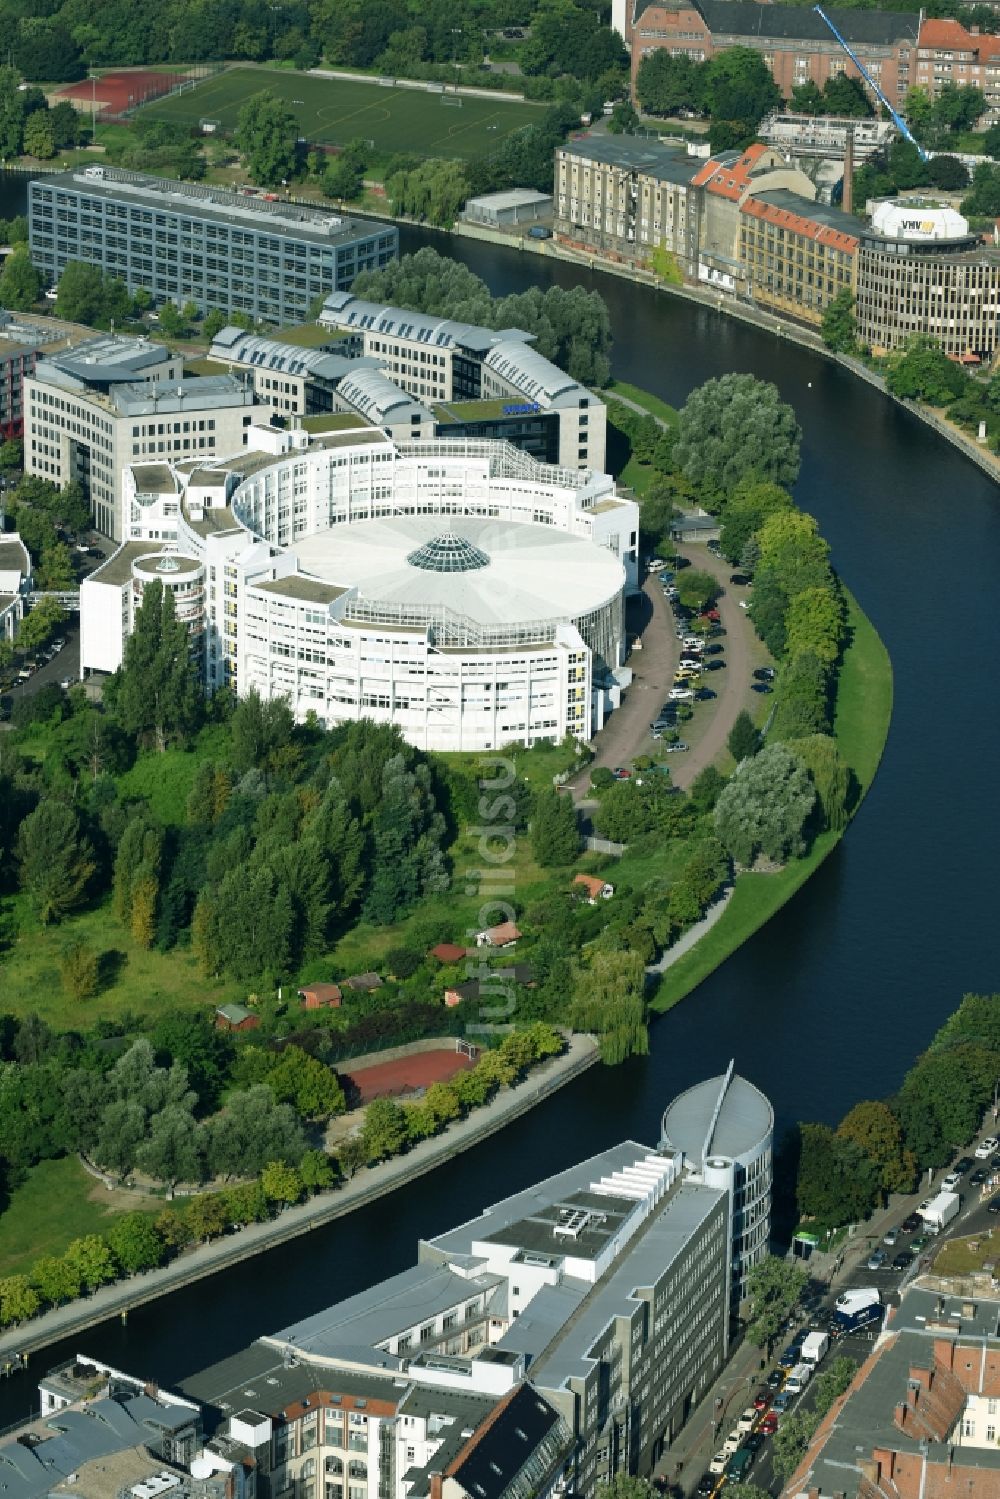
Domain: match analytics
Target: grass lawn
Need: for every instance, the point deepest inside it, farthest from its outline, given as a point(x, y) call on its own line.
point(165, 780)
point(138, 981)
point(54, 1207)
point(861, 724)
point(334, 111)
point(537, 765)
point(643, 398)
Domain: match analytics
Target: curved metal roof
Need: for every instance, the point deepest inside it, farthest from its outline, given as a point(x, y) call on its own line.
point(724, 1115)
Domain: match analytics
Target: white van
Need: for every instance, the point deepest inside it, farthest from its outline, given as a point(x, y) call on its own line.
point(798, 1379)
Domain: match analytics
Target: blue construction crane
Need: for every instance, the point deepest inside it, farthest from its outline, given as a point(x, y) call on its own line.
point(897, 119)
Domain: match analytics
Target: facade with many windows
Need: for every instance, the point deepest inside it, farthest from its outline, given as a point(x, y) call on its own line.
point(456, 588)
point(183, 242)
point(796, 260)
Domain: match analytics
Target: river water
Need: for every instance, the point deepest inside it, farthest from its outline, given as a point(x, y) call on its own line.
point(834, 998)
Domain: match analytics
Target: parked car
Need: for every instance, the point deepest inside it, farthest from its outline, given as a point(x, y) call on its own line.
point(986, 1147)
point(680, 694)
point(715, 665)
point(920, 1242)
point(764, 673)
point(761, 687)
point(877, 1259)
point(744, 604)
point(705, 693)
point(707, 1484)
point(746, 1421)
point(740, 579)
point(656, 565)
point(993, 1206)
point(66, 683)
point(621, 774)
point(677, 748)
point(714, 649)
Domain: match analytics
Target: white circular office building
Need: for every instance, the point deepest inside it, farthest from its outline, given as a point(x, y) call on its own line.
point(725, 1129)
point(459, 589)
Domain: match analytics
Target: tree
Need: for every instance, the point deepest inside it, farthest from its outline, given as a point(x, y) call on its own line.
point(55, 859)
point(434, 190)
point(92, 1261)
point(258, 730)
point(773, 1290)
point(623, 119)
point(55, 1279)
point(765, 806)
point(803, 707)
point(20, 283)
point(947, 173)
point(555, 834)
point(306, 1083)
point(207, 1216)
point(252, 1130)
point(156, 690)
point(609, 1000)
point(407, 830)
point(174, 1150)
point(79, 969)
point(66, 124)
point(744, 738)
point(664, 84)
point(831, 775)
point(878, 1134)
point(11, 113)
point(745, 512)
point(736, 426)
point(839, 326)
point(793, 552)
point(18, 1300)
point(384, 1131)
point(266, 134)
point(922, 371)
point(44, 49)
point(836, 1182)
point(844, 95)
point(788, 1446)
point(814, 622)
point(281, 1183)
point(39, 136)
point(696, 589)
point(317, 1171)
point(81, 294)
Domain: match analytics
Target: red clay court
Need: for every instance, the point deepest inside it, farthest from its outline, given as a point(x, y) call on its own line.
point(405, 1074)
point(118, 91)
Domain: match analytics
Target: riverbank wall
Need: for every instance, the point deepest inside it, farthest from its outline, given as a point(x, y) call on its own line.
point(367, 1186)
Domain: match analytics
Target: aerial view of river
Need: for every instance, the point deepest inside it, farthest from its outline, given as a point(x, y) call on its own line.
point(833, 999)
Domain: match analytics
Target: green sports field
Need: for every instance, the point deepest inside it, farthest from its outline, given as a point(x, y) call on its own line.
point(332, 112)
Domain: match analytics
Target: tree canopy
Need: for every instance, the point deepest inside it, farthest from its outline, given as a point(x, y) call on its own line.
point(734, 427)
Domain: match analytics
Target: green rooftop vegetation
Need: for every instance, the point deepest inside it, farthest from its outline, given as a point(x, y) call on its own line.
point(471, 411)
point(311, 335)
point(333, 421)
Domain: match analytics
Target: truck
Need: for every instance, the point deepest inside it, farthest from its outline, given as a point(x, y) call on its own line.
point(798, 1378)
point(938, 1212)
point(854, 1309)
point(814, 1346)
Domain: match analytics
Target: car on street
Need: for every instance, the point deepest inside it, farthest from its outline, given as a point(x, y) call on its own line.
point(910, 1223)
point(877, 1259)
point(951, 1181)
point(993, 1206)
point(977, 1178)
point(789, 1356)
point(621, 774)
point(995, 1163)
point(965, 1164)
point(761, 687)
point(776, 1379)
point(754, 1442)
point(707, 1484)
point(986, 1147)
point(769, 1425)
point(718, 1462)
point(676, 749)
point(746, 1421)
point(890, 1236)
point(903, 1260)
point(764, 673)
point(680, 694)
point(761, 1401)
point(740, 579)
point(920, 1242)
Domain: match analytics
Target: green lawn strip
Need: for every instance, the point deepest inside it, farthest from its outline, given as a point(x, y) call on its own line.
point(53, 1207)
point(643, 398)
point(538, 766)
point(861, 726)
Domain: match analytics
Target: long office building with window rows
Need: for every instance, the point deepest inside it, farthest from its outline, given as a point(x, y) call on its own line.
point(183, 242)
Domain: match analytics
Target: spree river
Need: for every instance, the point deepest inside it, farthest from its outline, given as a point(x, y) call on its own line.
point(833, 999)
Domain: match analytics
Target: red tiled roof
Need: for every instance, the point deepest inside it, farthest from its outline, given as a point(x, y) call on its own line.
point(448, 952)
point(953, 36)
point(729, 180)
point(799, 224)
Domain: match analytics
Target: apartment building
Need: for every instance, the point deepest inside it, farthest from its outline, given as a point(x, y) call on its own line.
point(922, 1418)
point(794, 42)
point(948, 52)
point(919, 270)
point(796, 260)
point(15, 575)
point(185, 242)
point(476, 382)
point(106, 403)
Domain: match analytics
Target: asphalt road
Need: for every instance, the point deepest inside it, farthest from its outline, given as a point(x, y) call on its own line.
point(65, 664)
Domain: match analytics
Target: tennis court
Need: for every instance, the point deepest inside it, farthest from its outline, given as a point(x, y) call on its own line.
point(404, 1074)
point(332, 111)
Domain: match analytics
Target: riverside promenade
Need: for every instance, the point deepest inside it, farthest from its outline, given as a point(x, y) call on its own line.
point(365, 1186)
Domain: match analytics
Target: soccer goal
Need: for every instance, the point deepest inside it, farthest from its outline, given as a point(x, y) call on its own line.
point(466, 1049)
point(451, 100)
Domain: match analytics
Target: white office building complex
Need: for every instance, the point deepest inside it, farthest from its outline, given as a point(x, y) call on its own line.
point(106, 403)
point(455, 587)
point(478, 382)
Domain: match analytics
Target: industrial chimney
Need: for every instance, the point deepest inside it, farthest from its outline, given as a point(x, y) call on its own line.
point(847, 199)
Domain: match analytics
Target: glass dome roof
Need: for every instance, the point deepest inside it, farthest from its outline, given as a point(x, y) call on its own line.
point(448, 553)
